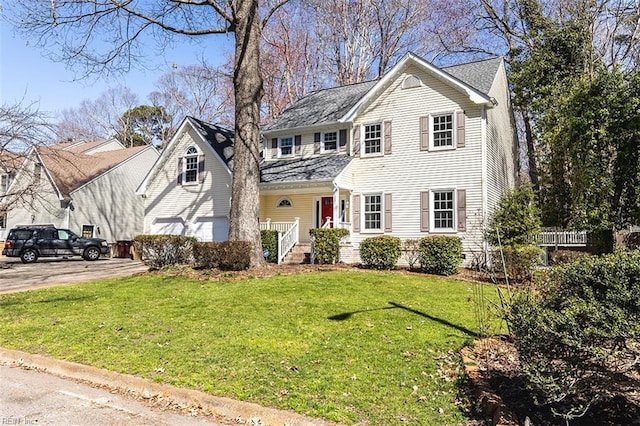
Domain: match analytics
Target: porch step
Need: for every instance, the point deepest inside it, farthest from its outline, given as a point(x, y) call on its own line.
point(301, 253)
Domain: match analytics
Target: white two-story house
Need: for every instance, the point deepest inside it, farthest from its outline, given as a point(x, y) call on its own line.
point(422, 151)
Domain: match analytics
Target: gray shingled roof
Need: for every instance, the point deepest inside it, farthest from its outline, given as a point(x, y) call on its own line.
point(479, 75)
point(303, 169)
point(220, 139)
point(329, 105)
point(322, 106)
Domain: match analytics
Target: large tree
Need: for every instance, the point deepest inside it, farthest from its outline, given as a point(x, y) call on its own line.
point(112, 35)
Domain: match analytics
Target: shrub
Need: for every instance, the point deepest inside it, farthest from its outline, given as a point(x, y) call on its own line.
point(270, 243)
point(579, 337)
point(158, 251)
point(207, 254)
point(441, 255)
point(411, 252)
point(326, 243)
point(566, 256)
point(521, 261)
point(516, 218)
point(235, 255)
point(381, 252)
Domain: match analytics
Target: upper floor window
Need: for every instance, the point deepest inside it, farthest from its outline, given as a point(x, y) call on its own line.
point(4, 183)
point(190, 166)
point(330, 142)
point(37, 170)
point(373, 138)
point(373, 212)
point(285, 147)
point(443, 210)
point(443, 131)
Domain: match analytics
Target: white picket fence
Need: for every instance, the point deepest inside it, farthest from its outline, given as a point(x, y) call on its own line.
point(562, 238)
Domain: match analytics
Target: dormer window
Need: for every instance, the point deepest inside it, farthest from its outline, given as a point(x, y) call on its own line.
point(285, 147)
point(329, 142)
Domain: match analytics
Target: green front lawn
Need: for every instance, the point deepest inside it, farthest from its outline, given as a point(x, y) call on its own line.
point(352, 347)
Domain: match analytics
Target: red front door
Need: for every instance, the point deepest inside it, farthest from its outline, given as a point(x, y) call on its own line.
point(326, 210)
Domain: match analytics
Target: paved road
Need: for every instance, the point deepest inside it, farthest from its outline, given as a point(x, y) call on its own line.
point(28, 397)
point(16, 276)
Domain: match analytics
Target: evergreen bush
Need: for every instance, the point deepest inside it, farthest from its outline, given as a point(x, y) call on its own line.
point(441, 255)
point(380, 252)
point(578, 337)
point(270, 243)
point(158, 251)
point(326, 243)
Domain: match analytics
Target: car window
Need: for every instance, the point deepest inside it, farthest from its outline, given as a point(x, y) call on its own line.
point(48, 234)
point(20, 234)
point(63, 234)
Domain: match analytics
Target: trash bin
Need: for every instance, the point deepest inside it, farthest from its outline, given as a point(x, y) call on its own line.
point(123, 249)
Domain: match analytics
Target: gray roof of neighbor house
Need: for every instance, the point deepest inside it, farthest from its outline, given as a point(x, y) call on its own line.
point(321, 168)
point(220, 139)
point(329, 105)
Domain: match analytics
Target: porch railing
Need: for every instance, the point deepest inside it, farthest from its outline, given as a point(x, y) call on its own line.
point(288, 235)
point(562, 238)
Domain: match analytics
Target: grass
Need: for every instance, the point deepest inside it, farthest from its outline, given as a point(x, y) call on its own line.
point(352, 347)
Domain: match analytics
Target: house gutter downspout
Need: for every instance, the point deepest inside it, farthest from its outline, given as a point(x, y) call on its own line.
point(484, 150)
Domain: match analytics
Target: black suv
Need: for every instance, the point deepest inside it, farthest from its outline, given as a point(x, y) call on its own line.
point(31, 242)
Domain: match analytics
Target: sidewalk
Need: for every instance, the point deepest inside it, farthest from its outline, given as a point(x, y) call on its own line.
point(39, 390)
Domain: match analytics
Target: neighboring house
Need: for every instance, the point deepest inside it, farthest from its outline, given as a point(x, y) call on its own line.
point(188, 190)
point(86, 187)
point(421, 151)
point(9, 164)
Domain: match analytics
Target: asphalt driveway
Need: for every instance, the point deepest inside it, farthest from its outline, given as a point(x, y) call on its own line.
point(16, 276)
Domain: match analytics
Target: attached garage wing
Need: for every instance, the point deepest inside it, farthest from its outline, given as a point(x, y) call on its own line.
point(168, 226)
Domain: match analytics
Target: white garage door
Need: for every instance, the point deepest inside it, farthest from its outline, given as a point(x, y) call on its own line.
point(170, 226)
point(211, 229)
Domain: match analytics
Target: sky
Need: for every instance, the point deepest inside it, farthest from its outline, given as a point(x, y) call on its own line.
point(27, 74)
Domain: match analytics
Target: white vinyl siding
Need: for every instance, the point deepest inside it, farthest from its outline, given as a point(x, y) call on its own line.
point(411, 171)
point(165, 198)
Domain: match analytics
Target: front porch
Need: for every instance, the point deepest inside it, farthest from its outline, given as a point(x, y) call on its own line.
point(293, 213)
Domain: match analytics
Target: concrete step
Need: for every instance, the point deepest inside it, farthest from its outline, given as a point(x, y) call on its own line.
point(300, 254)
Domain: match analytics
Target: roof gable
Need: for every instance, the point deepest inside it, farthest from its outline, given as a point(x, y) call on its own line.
point(343, 103)
point(219, 140)
point(70, 170)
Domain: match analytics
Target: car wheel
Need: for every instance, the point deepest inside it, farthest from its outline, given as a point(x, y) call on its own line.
point(91, 253)
point(29, 256)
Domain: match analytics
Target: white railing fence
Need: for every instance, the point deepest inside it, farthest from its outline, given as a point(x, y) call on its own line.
point(562, 238)
point(288, 235)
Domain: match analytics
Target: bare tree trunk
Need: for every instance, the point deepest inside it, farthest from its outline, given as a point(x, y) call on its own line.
point(245, 203)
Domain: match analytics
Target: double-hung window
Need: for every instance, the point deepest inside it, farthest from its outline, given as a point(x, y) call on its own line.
point(443, 130)
point(190, 166)
point(372, 139)
point(330, 142)
point(373, 212)
point(443, 210)
point(285, 147)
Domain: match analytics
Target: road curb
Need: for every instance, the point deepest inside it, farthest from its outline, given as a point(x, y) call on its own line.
point(230, 409)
